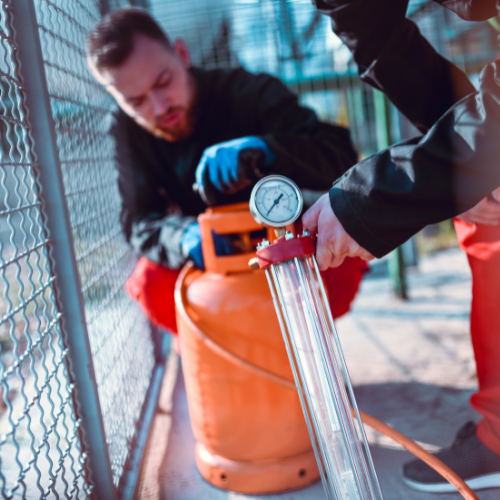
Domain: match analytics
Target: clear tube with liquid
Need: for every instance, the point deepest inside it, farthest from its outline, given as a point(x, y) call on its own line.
point(322, 380)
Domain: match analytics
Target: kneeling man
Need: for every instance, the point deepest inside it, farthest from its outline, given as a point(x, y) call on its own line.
point(176, 124)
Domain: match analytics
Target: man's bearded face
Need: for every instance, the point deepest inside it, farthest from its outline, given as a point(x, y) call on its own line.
point(155, 87)
point(177, 122)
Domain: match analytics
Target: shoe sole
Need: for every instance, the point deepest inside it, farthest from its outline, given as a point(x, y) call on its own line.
point(476, 483)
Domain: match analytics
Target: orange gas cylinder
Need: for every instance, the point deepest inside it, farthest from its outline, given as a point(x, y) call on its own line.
point(244, 407)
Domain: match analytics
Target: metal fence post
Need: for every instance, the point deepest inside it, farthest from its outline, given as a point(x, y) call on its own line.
point(104, 7)
point(396, 260)
point(62, 251)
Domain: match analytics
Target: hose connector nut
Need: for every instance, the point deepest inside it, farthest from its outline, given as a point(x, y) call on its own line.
point(264, 243)
point(253, 264)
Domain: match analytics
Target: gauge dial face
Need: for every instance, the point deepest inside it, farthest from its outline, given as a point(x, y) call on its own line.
point(277, 201)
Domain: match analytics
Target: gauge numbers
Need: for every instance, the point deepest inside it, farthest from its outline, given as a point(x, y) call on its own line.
point(276, 201)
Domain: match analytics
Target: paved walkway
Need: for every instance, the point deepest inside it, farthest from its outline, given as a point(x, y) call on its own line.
point(412, 367)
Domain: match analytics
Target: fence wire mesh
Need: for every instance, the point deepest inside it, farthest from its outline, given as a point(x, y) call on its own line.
point(40, 450)
point(119, 334)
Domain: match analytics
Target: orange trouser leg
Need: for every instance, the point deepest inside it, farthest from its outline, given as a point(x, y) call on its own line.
point(482, 245)
point(152, 285)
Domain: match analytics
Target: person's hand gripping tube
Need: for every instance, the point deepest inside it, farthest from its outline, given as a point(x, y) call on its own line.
point(334, 243)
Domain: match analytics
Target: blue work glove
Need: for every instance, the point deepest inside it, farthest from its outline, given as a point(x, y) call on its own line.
point(191, 245)
point(231, 166)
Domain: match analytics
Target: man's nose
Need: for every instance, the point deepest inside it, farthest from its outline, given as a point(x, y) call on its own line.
point(159, 103)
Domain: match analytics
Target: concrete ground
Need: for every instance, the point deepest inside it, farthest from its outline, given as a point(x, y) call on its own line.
point(410, 362)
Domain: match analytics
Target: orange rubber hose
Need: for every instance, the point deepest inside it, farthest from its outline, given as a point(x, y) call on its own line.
point(419, 452)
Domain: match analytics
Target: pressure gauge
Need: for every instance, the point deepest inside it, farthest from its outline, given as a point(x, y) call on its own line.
point(276, 201)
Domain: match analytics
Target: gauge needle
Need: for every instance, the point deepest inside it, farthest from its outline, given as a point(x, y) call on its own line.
point(276, 201)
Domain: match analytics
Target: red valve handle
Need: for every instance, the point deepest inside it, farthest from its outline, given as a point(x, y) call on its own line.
point(283, 249)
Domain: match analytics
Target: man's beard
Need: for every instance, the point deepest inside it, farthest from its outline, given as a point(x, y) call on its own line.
point(183, 128)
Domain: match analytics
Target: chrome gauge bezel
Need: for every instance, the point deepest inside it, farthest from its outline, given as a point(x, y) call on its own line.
point(262, 219)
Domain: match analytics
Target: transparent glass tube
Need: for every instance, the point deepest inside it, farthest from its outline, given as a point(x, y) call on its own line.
point(322, 380)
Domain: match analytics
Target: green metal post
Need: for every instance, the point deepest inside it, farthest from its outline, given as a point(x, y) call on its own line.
point(383, 128)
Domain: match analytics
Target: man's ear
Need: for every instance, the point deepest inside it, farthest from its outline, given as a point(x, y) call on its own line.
point(180, 48)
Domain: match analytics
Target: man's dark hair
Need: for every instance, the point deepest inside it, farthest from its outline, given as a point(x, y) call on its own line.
point(112, 40)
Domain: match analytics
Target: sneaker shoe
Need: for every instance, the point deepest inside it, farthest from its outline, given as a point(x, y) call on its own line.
point(467, 456)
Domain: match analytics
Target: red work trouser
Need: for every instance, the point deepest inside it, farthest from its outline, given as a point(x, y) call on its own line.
point(153, 286)
point(482, 245)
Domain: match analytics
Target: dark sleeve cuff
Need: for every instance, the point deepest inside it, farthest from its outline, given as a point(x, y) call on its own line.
point(159, 238)
point(352, 222)
point(171, 236)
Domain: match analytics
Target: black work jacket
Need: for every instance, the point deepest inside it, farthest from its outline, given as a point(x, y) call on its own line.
point(156, 177)
point(390, 196)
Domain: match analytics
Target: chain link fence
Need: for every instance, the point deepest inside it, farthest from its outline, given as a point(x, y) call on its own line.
point(122, 350)
point(42, 443)
point(40, 450)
